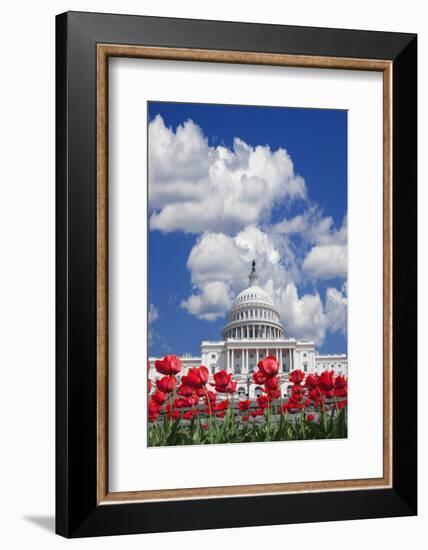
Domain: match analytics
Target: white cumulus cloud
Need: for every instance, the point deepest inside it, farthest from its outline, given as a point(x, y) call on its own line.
point(219, 265)
point(336, 308)
point(194, 187)
point(327, 262)
point(212, 300)
point(153, 315)
point(304, 316)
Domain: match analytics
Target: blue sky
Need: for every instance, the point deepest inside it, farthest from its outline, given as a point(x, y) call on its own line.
point(227, 183)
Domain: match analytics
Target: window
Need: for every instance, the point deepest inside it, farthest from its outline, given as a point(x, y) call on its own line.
point(305, 366)
point(213, 356)
point(251, 367)
point(238, 368)
point(241, 391)
point(212, 369)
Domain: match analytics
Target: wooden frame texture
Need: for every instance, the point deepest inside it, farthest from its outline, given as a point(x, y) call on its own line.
point(85, 42)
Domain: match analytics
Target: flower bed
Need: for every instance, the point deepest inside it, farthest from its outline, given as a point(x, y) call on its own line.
point(202, 411)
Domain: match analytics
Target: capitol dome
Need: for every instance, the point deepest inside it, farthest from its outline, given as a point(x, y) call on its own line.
point(253, 315)
point(251, 294)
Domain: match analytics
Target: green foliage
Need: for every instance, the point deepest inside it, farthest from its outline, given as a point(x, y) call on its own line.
point(231, 429)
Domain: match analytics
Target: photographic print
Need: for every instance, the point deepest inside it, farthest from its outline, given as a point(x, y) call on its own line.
point(247, 274)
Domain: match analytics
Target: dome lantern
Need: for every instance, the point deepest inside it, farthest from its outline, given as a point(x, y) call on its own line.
point(252, 277)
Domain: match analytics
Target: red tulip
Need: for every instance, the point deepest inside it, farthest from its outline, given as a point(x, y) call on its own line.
point(196, 377)
point(326, 382)
point(274, 394)
point(342, 404)
point(212, 396)
point(271, 383)
point(231, 387)
point(297, 392)
point(310, 417)
point(184, 390)
point(263, 402)
point(153, 416)
point(296, 376)
point(170, 364)
point(193, 400)
point(244, 405)
point(269, 367)
point(222, 378)
point(311, 381)
point(315, 396)
point(221, 414)
point(166, 384)
point(153, 409)
point(222, 406)
point(340, 382)
point(159, 397)
point(188, 415)
point(340, 386)
point(172, 413)
point(223, 382)
point(292, 404)
point(153, 406)
point(259, 377)
point(245, 418)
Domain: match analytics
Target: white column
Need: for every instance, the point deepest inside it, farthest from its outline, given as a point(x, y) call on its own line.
point(227, 360)
point(280, 359)
point(257, 356)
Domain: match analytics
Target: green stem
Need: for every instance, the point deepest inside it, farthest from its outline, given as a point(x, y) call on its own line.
point(209, 412)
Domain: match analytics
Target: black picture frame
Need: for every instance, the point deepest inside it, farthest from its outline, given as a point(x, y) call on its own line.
point(77, 511)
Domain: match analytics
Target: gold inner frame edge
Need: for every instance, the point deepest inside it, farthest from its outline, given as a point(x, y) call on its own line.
point(104, 51)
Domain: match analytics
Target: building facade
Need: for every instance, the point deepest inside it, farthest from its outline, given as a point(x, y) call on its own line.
point(252, 332)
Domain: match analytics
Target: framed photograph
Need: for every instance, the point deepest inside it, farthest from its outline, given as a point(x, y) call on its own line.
point(236, 274)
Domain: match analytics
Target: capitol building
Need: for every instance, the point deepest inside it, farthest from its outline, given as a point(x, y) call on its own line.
point(254, 331)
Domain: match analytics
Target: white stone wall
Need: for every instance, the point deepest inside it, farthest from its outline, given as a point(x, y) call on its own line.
point(337, 363)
